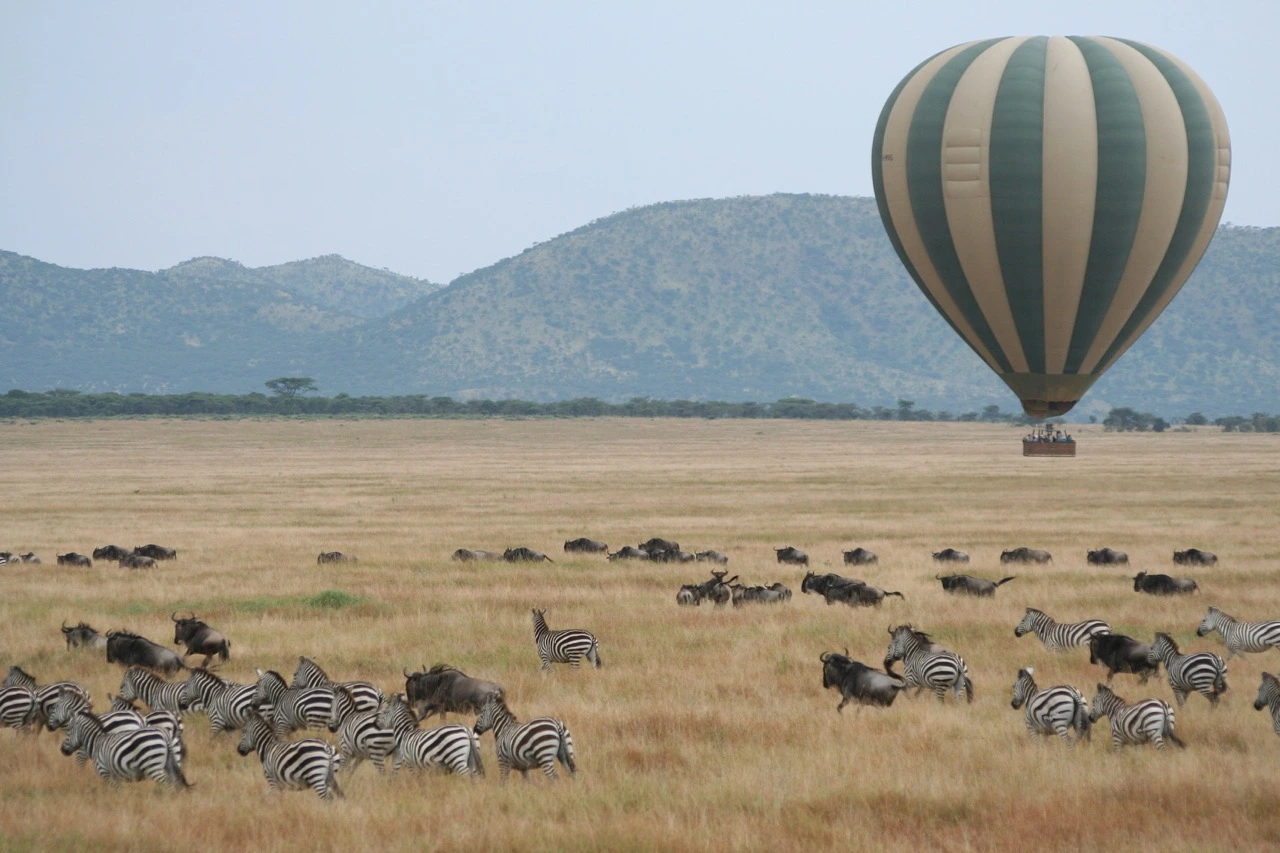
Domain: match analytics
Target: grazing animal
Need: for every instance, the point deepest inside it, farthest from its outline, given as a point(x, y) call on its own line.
point(858, 682)
point(1240, 637)
point(1056, 710)
point(1194, 557)
point(658, 544)
point(1150, 720)
point(226, 703)
point(114, 553)
point(293, 707)
point(820, 584)
point(1026, 555)
point(156, 552)
point(359, 735)
point(17, 707)
point(585, 546)
point(472, 555)
point(569, 645)
point(130, 755)
point(30, 557)
point(627, 552)
point(969, 585)
point(83, 636)
point(860, 557)
point(690, 595)
point(1269, 695)
point(859, 594)
point(1119, 653)
point(1107, 557)
point(159, 695)
point(774, 594)
point(950, 555)
point(129, 649)
point(309, 674)
point(525, 555)
point(445, 690)
point(1202, 672)
point(71, 558)
point(1059, 636)
point(537, 743)
point(453, 748)
point(296, 766)
point(711, 557)
point(199, 638)
point(137, 561)
point(1163, 584)
point(924, 665)
point(671, 556)
point(792, 556)
point(335, 557)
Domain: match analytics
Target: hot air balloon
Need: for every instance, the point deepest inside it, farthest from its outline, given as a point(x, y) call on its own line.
point(1050, 196)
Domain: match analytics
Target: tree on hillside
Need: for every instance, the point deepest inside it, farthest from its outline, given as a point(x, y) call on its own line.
point(291, 386)
point(1126, 419)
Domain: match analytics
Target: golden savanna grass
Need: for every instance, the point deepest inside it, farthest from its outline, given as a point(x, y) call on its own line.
point(705, 729)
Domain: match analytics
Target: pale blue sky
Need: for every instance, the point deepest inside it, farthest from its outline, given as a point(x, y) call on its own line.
point(437, 138)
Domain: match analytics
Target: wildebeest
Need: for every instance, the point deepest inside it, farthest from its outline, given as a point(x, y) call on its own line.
point(156, 552)
point(775, 593)
point(585, 546)
point(525, 555)
point(199, 638)
point(689, 595)
point(1119, 653)
point(128, 649)
point(627, 552)
point(83, 636)
point(137, 561)
point(858, 682)
point(29, 557)
point(819, 584)
point(710, 557)
point(111, 552)
point(950, 555)
point(1163, 584)
point(472, 555)
point(671, 556)
point(71, 558)
point(1194, 557)
point(860, 557)
point(969, 585)
point(335, 557)
point(717, 588)
point(1108, 557)
point(792, 556)
point(1025, 555)
point(657, 544)
point(445, 690)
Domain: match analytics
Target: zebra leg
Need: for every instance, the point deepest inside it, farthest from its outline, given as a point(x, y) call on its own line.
point(504, 770)
point(546, 662)
point(549, 768)
point(575, 662)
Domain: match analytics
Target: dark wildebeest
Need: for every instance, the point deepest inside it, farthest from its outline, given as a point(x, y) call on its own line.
point(525, 555)
point(969, 585)
point(773, 594)
point(137, 561)
point(860, 557)
point(689, 595)
point(656, 544)
point(671, 556)
point(864, 595)
point(792, 556)
point(858, 682)
point(156, 552)
point(717, 588)
point(1194, 557)
point(129, 649)
point(472, 555)
point(111, 552)
point(1025, 555)
point(1163, 584)
point(585, 546)
point(29, 557)
point(1119, 653)
point(711, 557)
point(74, 559)
point(950, 555)
point(821, 583)
point(335, 557)
point(83, 636)
point(627, 552)
point(1108, 557)
point(199, 638)
point(444, 690)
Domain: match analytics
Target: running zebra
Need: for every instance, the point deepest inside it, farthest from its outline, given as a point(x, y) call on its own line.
point(568, 646)
point(1148, 720)
point(359, 735)
point(1059, 636)
point(451, 747)
point(45, 696)
point(1269, 695)
point(295, 765)
point(167, 721)
point(1240, 637)
point(1203, 672)
point(226, 703)
point(128, 755)
point(524, 746)
point(1056, 710)
point(17, 708)
point(294, 707)
point(309, 674)
point(72, 702)
point(145, 686)
point(926, 664)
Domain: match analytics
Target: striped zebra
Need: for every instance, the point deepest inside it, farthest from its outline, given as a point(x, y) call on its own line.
point(45, 696)
point(309, 674)
point(926, 664)
point(1240, 637)
point(121, 718)
point(168, 721)
point(524, 746)
point(451, 747)
point(128, 755)
point(1059, 636)
point(294, 766)
point(145, 686)
point(568, 646)
point(1269, 695)
point(359, 735)
point(1204, 672)
point(1055, 710)
point(293, 707)
point(17, 708)
point(226, 703)
point(1148, 720)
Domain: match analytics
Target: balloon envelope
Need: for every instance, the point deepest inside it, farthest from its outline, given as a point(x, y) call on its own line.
point(1050, 196)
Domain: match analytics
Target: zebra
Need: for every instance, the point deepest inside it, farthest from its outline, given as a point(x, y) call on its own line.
point(1059, 636)
point(568, 646)
point(72, 702)
point(309, 674)
point(1240, 636)
point(1203, 672)
point(294, 766)
point(359, 735)
point(168, 721)
point(45, 697)
point(451, 747)
point(523, 746)
point(293, 707)
point(1269, 695)
point(1148, 720)
point(226, 703)
point(129, 755)
point(926, 664)
point(159, 695)
point(17, 708)
point(1052, 711)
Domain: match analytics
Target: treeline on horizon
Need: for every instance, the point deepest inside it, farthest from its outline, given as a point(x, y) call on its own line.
point(64, 403)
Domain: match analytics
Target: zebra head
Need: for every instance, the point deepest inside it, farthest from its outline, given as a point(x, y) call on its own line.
point(1023, 688)
point(396, 713)
point(1105, 703)
point(1028, 623)
point(343, 706)
point(902, 641)
point(1268, 692)
point(270, 686)
point(494, 706)
point(78, 729)
point(1210, 621)
point(1162, 648)
point(18, 677)
point(69, 703)
point(257, 733)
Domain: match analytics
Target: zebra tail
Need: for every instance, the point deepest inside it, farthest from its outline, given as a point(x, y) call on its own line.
point(565, 752)
point(332, 781)
point(593, 654)
point(1083, 722)
point(173, 767)
point(968, 688)
point(473, 757)
point(900, 595)
point(1220, 680)
point(1168, 729)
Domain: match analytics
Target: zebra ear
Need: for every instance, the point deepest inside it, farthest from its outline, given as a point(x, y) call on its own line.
point(1029, 671)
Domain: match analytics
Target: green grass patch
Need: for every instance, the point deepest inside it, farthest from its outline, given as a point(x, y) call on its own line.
point(329, 599)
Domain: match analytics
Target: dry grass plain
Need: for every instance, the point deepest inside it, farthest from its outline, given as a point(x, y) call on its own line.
point(705, 729)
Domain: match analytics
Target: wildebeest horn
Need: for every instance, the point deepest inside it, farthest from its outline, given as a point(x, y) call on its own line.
point(846, 651)
point(937, 577)
point(823, 657)
point(405, 671)
point(65, 629)
point(890, 629)
point(174, 616)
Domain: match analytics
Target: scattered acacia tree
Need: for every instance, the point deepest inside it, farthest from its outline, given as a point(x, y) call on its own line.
point(1125, 419)
point(291, 386)
point(1195, 419)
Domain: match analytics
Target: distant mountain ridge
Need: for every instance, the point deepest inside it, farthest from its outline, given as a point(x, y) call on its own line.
point(751, 298)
